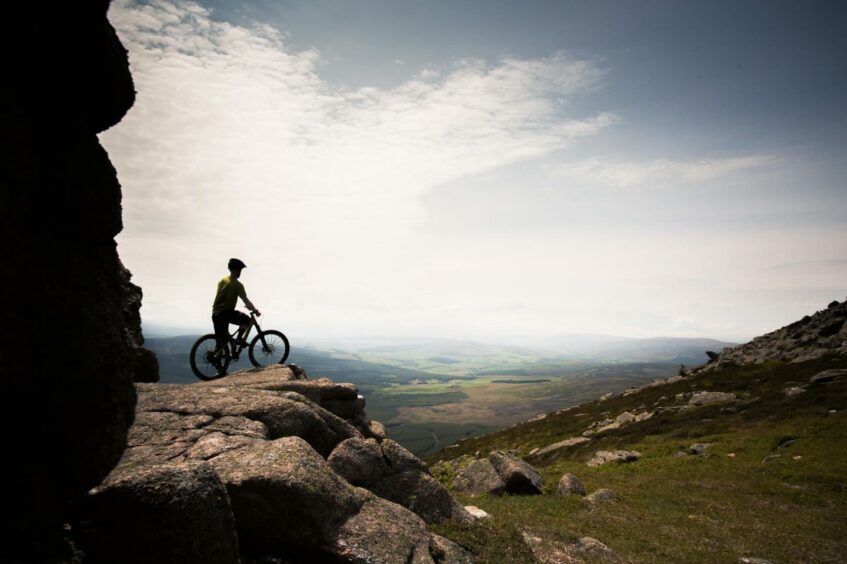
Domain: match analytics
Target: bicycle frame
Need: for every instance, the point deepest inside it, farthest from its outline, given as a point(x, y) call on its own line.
point(235, 350)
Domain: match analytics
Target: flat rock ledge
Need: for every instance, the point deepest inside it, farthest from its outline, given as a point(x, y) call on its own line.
point(620, 456)
point(709, 398)
point(239, 467)
point(559, 448)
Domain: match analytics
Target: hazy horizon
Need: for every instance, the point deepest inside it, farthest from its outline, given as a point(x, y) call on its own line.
point(487, 170)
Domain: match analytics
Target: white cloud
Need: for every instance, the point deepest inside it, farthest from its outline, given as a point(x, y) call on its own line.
point(660, 171)
point(237, 146)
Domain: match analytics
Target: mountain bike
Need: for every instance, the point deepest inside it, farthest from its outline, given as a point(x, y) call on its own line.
point(268, 347)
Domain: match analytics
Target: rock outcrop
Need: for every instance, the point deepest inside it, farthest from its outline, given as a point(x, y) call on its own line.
point(288, 475)
point(498, 474)
point(394, 473)
point(815, 336)
point(60, 210)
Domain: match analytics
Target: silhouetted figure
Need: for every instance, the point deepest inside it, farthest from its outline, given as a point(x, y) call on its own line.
point(223, 308)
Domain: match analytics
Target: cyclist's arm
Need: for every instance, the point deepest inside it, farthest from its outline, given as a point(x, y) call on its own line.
point(248, 303)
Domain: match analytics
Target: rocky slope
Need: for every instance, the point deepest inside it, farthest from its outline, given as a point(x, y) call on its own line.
point(264, 465)
point(815, 336)
point(742, 459)
point(70, 343)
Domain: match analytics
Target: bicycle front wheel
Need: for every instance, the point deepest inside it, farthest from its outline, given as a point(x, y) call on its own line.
point(269, 347)
point(204, 363)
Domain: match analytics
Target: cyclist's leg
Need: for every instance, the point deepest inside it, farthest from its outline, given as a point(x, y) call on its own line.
point(242, 320)
point(221, 332)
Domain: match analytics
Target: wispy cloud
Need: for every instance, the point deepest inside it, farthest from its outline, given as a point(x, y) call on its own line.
point(236, 145)
point(660, 171)
point(225, 109)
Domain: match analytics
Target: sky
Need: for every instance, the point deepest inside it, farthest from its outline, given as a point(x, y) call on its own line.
point(487, 170)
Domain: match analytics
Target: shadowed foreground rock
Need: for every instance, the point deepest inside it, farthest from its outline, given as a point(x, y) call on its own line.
point(141, 517)
point(264, 445)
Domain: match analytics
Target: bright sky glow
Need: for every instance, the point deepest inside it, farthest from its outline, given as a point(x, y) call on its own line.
point(477, 192)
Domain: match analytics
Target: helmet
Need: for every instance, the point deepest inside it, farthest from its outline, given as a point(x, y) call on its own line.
point(235, 264)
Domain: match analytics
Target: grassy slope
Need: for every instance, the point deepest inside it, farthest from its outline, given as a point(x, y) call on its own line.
point(711, 508)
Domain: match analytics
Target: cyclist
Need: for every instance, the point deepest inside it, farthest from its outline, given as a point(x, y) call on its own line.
point(223, 308)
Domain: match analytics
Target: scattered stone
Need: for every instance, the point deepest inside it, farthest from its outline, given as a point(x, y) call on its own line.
point(477, 513)
point(712, 355)
point(479, 477)
point(519, 477)
point(797, 457)
point(609, 427)
point(602, 495)
point(625, 417)
point(828, 375)
point(751, 560)
point(786, 442)
point(699, 448)
point(604, 397)
point(593, 548)
point(570, 484)
point(709, 398)
point(644, 416)
point(549, 551)
point(793, 391)
point(731, 455)
point(605, 456)
point(770, 457)
point(559, 447)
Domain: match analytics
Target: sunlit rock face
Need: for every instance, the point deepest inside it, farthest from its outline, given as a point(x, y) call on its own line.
point(71, 336)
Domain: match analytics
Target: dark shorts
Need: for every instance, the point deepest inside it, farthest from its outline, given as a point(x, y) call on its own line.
point(223, 320)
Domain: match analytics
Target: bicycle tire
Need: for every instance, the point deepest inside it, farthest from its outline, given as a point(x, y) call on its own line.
point(202, 367)
point(278, 348)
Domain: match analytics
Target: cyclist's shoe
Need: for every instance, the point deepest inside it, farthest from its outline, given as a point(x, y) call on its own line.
point(241, 343)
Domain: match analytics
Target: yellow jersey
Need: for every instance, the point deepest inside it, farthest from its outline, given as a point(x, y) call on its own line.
point(229, 290)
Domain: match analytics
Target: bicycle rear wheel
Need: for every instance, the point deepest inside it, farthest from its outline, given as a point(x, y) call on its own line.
point(204, 363)
point(269, 347)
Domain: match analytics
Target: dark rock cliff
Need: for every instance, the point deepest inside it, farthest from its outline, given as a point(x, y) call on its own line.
point(70, 344)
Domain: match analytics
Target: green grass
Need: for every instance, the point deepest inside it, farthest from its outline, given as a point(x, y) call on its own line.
point(710, 508)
